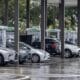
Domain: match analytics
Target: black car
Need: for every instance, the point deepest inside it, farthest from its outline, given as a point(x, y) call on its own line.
point(51, 45)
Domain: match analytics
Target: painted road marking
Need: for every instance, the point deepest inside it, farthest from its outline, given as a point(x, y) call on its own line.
point(9, 76)
point(29, 76)
point(24, 78)
point(54, 75)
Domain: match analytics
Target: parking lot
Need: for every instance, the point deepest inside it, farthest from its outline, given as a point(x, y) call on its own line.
point(55, 69)
point(39, 39)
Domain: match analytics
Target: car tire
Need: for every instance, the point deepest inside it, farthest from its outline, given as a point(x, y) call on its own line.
point(35, 58)
point(20, 60)
point(67, 53)
point(2, 63)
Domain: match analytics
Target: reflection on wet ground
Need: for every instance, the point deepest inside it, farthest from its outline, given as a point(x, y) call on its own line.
point(56, 69)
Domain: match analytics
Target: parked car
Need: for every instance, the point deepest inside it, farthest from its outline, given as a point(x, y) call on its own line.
point(35, 55)
point(71, 50)
point(23, 53)
point(7, 56)
point(51, 45)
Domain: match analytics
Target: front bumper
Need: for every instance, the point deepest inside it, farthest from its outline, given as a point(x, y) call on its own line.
point(13, 59)
point(12, 62)
point(46, 58)
point(76, 52)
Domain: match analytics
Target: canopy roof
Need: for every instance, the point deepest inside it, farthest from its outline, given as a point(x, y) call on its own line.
point(56, 2)
point(67, 2)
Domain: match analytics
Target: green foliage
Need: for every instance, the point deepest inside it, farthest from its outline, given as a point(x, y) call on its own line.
point(11, 12)
point(22, 26)
point(35, 14)
point(1, 11)
point(71, 19)
point(22, 9)
point(52, 15)
point(53, 12)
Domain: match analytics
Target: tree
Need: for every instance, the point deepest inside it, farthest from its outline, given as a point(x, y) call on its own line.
point(35, 14)
point(70, 17)
point(53, 12)
point(1, 11)
point(52, 15)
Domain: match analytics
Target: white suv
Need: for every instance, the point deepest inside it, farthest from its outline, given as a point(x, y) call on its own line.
point(71, 50)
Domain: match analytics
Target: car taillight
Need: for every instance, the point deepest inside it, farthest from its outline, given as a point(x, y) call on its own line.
point(53, 45)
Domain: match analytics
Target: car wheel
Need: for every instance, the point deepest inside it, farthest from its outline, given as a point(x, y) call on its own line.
point(35, 58)
point(1, 60)
point(67, 53)
point(21, 61)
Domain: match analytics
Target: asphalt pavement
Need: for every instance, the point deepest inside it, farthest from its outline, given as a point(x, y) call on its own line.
point(55, 69)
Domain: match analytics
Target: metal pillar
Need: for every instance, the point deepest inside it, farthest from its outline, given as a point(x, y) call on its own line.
point(45, 14)
point(27, 13)
point(59, 16)
point(61, 24)
point(78, 17)
point(16, 27)
point(43, 23)
point(5, 12)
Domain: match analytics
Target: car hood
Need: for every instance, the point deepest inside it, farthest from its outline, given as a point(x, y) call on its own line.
point(39, 51)
point(72, 46)
point(36, 51)
point(43, 51)
point(7, 50)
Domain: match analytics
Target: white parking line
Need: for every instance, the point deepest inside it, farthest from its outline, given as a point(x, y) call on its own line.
point(24, 78)
point(13, 76)
point(29, 77)
point(54, 75)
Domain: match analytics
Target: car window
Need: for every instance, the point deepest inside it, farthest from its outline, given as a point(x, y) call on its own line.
point(23, 46)
point(10, 45)
point(49, 41)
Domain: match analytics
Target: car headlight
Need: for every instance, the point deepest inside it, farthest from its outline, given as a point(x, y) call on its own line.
point(10, 55)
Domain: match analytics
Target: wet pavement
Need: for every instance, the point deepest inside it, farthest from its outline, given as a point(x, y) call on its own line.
point(56, 69)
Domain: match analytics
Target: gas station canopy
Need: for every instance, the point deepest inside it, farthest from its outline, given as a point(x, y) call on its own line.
point(67, 2)
point(56, 2)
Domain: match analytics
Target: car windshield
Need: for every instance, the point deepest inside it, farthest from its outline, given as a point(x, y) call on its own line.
point(25, 46)
point(22, 45)
point(68, 42)
point(55, 40)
